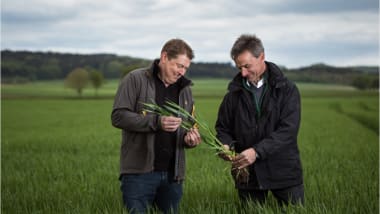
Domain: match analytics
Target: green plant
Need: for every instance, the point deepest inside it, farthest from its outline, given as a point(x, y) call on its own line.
point(208, 137)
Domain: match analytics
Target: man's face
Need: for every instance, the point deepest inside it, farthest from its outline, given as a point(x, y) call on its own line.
point(250, 67)
point(173, 69)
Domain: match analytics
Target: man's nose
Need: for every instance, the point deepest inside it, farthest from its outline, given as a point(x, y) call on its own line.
point(244, 72)
point(182, 71)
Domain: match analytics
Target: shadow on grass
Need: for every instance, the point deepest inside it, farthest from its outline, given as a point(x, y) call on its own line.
point(366, 107)
point(368, 122)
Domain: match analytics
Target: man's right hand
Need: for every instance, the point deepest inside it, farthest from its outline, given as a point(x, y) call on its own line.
point(170, 123)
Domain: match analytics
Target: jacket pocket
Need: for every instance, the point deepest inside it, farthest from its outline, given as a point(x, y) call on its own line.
point(283, 169)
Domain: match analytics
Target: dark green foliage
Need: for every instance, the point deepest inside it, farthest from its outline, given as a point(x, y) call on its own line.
point(320, 73)
point(375, 83)
point(24, 66)
point(363, 82)
point(96, 78)
point(217, 70)
point(49, 65)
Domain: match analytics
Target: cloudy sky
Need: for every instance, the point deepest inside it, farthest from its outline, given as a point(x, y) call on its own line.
point(294, 32)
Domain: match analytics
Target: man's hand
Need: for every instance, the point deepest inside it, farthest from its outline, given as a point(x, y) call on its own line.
point(170, 123)
point(192, 137)
point(244, 159)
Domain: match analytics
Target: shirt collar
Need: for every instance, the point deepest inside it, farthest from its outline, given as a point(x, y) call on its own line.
point(258, 85)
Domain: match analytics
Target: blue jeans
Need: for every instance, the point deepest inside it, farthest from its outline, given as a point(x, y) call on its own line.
point(153, 189)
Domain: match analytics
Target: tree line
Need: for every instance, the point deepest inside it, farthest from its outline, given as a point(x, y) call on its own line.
point(26, 66)
point(361, 77)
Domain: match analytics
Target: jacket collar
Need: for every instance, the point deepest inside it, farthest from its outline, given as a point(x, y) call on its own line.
point(276, 78)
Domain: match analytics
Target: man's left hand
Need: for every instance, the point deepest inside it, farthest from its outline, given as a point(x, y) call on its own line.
point(192, 137)
point(244, 159)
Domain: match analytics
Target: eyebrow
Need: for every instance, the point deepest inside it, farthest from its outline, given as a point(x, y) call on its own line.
point(182, 66)
point(245, 65)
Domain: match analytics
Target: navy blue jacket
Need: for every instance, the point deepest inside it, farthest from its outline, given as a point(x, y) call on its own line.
point(273, 135)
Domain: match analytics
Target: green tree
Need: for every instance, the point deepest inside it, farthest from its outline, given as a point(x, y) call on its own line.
point(361, 82)
point(375, 83)
point(97, 79)
point(77, 79)
point(113, 68)
point(49, 69)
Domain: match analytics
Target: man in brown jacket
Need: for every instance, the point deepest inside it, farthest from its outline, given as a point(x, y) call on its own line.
point(152, 158)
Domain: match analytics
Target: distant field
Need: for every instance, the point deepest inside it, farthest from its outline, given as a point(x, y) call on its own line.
point(54, 89)
point(201, 88)
point(62, 155)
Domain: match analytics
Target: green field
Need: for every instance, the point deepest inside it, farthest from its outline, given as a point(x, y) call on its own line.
point(203, 88)
point(61, 155)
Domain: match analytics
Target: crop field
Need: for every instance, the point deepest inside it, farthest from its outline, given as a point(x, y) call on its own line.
point(60, 154)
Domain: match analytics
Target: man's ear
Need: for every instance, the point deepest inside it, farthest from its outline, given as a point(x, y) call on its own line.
point(262, 56)
point(163, 57)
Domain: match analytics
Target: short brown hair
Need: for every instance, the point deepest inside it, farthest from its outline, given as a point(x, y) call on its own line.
point(247, 42)
point(175, 47)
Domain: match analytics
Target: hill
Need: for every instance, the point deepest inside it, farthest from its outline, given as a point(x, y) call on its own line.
point(24, 66)
point(322, 73)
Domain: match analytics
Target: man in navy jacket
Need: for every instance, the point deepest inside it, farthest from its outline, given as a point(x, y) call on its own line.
point(259, 118)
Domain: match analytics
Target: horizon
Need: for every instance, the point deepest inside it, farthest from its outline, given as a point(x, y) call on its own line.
point(193, 61)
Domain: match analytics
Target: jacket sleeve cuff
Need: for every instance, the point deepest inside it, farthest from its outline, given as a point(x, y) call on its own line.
point(260, 154)
point(158, 122)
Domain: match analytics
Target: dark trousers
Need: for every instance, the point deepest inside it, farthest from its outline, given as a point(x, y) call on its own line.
point(294, 195)
point(154, 189)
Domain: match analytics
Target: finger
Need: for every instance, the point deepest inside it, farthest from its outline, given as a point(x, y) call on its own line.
point(170, 128)
point(195, 137)
point(196, 133)
point(238, 157)
point(239, 161)
point(243, 166)
point(174, 119)
point(171, 120)
point(188, 139)
point(198, 139)
point(173, 123)
point(235, 165)
point(192, 135)
point(193, 140)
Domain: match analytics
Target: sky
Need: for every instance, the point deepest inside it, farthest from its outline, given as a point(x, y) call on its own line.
point(295, 33)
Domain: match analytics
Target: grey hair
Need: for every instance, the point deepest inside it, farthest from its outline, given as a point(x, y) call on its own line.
point(247, 42)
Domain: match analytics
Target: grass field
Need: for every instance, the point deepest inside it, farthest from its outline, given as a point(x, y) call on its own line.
point(203, 88)
point(62, 155)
